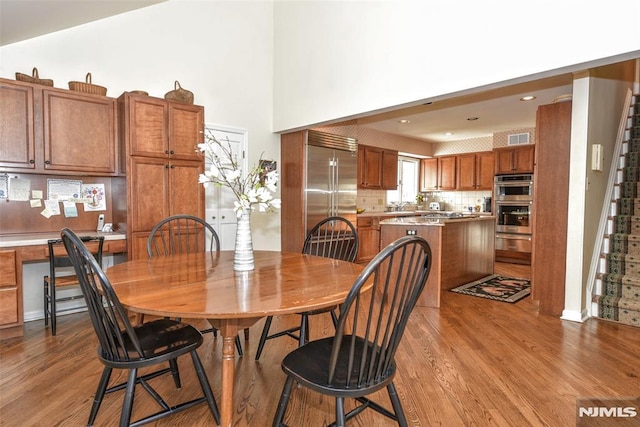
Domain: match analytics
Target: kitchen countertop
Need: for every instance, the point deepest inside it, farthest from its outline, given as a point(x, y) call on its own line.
point(420, 220)
point(32, 239)
point(411, 213)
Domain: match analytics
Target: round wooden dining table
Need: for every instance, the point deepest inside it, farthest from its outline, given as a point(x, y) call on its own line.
point(205, 286)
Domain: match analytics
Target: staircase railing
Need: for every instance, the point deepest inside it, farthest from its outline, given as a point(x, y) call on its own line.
point(606, 205)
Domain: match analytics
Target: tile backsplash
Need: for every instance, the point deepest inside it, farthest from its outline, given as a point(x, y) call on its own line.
point(376, 200)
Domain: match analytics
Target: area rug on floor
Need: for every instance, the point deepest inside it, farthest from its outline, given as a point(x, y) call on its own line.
point(497, 287)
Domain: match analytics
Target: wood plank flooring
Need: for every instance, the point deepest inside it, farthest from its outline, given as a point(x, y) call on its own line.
point(471, 362)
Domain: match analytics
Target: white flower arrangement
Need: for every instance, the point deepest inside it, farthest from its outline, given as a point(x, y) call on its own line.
point(254, 189)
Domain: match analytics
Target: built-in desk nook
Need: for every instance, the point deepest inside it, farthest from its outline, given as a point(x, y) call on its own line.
point(18, 250)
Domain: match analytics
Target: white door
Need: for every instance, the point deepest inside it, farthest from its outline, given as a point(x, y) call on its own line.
point(219, 200)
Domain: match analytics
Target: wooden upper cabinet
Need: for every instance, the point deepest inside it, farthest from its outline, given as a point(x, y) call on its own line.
point(55, 131)
point(389, 170)
point(377, 168)
point(429, 174)
point(438, 173)
point(447, 173)
point(186, 123)
point(466, 168)
point(484, 172)
point(475, 171)
point(17, 125)
point(79, 132)
point(514, 160)
point(147, 134)
point(159, 128)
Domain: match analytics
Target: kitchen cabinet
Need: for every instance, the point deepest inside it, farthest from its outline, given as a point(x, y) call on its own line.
point(377, 168)
point(368, 238)
point(162, 167)
point(474, 171)
point(550, 197)
point(79, 133)
point(17, 127)
point(10, 291)
point(438, 173)
point(55, 131)
point(510, 160)
point(164, 129)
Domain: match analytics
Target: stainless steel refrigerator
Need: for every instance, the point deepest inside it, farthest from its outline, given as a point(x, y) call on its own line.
point(332, 169)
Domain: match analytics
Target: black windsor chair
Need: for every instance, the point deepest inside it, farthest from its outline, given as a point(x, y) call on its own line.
point(124, 346)
point(333, 237)
point(180, 234)
point(360, 359)
point(61, 276)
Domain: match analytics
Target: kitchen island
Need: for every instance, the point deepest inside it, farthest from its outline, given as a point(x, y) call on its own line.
point(462, 247)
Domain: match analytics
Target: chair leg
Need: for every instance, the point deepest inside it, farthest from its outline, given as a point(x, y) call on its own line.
point(206, 387)
point(52, 302)
point(397, 406)
point(340, 412)
point(239, 346)
point(263, 337)
point(127, 406)
point(282, 404)
point(175, 373)
point(46, 302)
point(102, 388)
point(334, 318)
point(246, 334)
point(304, 330)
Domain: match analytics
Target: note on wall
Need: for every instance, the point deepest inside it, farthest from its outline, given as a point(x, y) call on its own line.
point(19, 189)
point(63, 189)
point(94, 197)
point(4, 186)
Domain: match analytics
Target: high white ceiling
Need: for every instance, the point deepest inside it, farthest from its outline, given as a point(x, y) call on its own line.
point(497, 110)
point(24, 19)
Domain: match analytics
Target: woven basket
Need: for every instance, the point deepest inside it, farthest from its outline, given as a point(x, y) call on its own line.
point(34, 78)
point(88, 87)
point(179, 94)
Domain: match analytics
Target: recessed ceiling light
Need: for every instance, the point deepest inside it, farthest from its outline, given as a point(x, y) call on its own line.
point(404, 121)
point(528, 98)
point(472, 118)
point(448, 134)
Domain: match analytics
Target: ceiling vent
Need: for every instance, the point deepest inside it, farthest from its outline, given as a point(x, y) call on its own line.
point(518, 138)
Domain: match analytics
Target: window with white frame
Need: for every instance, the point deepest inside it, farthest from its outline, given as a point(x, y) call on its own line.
point(408, 175)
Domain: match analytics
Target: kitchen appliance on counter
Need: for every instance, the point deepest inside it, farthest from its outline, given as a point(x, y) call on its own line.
point(486, 205)
point(434, 206)
point(331, 187)
point(513, 209)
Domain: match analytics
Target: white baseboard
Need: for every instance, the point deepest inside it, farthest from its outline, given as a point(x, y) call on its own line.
point(575, 316)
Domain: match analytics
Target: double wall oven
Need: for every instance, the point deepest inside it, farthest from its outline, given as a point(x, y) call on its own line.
point(513, 195)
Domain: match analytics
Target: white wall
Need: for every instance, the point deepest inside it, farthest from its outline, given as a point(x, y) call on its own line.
point(220, 50)
point(340, 59)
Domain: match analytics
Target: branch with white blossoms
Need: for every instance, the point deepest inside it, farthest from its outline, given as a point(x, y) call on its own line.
point(252, 190)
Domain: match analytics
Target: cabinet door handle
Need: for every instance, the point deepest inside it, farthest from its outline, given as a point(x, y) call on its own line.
point(47, 162)
point(166, 151)
point(213, 217)
point(32, 161)
point(166, 166)
point(171, 152)
point(172, 166)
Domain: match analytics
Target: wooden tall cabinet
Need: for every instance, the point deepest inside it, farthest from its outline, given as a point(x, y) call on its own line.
point(159, 139)
point(551, 195)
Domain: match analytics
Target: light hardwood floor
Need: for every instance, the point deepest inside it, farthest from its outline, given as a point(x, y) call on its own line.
point(471, 362)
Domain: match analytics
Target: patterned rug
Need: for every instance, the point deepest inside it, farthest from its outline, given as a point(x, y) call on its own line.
point(497, 287)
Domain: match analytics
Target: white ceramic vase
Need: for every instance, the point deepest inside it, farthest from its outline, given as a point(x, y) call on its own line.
point(243, 256)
